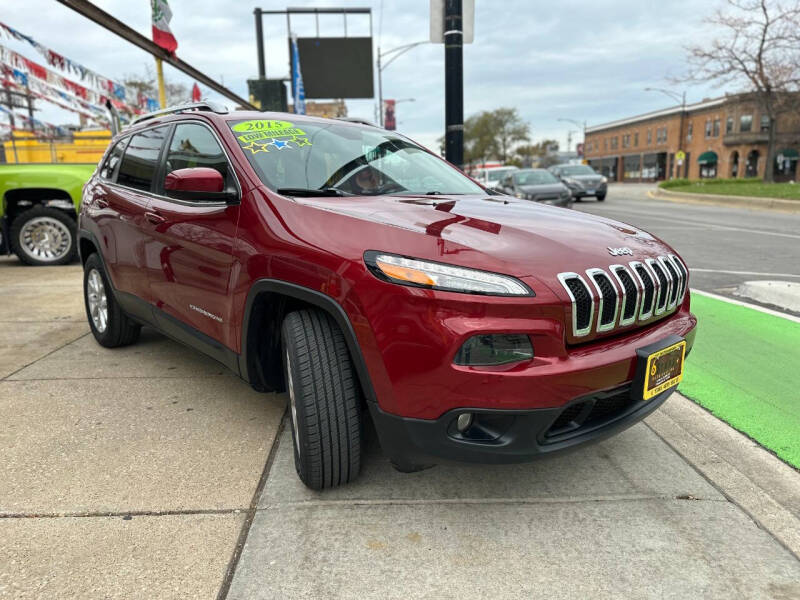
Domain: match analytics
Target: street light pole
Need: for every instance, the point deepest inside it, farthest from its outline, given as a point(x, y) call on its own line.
point(400, 50)
point(682, 99)
point(453, 83)
point(582, 127)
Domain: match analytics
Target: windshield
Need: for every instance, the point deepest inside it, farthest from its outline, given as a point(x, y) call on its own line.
point(577, 170)
point(352, 159)
point(498, 174)
point(537, 177)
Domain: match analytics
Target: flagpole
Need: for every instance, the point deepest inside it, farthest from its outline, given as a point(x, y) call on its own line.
point(162, 92)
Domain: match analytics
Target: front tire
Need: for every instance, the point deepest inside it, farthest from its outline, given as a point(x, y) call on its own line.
point(601, 197)
point(324, 400)
point(110, 326)
point(44, 236)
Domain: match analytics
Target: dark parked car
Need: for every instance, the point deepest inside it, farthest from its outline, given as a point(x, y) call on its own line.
point(582, 181)
point(365, 276)
point(539, 185)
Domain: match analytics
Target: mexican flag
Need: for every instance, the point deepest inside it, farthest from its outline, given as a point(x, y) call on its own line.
point(162, 35)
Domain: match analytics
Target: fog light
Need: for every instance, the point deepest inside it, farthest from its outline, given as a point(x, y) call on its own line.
point(464, 422)
point(488, 350)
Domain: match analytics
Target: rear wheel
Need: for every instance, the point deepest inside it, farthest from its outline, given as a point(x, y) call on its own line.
point(44, 236)
point(110, 326)
point(324, 400)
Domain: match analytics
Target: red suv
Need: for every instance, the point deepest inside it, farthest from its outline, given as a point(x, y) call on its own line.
point(361, 273)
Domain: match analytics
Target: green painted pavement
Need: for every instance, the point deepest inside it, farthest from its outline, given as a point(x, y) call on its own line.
point(745, 369)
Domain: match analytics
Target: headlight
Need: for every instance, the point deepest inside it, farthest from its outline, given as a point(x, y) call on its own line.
point(438, 276)
point(520, 195)
point(571, 182)
point(604, 179)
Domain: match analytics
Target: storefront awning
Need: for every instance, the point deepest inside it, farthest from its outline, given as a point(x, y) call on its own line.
point(789, 154)
point(707, 158)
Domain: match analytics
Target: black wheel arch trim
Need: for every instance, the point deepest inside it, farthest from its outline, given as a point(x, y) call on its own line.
point(247, 366)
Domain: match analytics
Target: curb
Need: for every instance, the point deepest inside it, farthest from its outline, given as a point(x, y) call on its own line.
point(776, 204)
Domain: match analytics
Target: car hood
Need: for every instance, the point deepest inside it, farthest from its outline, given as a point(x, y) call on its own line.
point(511, 236)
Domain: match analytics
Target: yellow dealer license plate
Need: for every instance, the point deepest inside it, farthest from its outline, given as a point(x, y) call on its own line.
point(664, 369)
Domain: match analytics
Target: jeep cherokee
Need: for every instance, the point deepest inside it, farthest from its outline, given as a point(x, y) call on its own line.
point(361, 273)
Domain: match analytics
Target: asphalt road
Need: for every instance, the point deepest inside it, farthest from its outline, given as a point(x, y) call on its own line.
point(723, 246)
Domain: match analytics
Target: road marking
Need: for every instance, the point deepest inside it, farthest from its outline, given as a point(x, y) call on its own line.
point(755, 273)
point(768, 311)
point(701, 223)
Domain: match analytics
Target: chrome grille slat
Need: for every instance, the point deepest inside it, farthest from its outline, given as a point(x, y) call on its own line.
point(674, 281)
point(662, 285)
point(606, 318)
point(648, 287)
point(684, 275)
point(574, 278)
point(629, 301)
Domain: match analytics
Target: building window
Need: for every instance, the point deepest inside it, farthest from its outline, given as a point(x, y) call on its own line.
point(764, 123)
point(605, 143)
point(649, 136)
point(614, 142)
point(745, 123)
point(661, 135)
point(626, 140)
point(708, 128)
point(715, 133)
point(636, 139)
point(689, 130)
point(729, 126)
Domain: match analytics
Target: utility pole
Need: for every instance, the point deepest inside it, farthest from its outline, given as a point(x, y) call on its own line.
point(454, 83)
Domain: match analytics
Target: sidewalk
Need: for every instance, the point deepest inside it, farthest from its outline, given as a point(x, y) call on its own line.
point(137, 473)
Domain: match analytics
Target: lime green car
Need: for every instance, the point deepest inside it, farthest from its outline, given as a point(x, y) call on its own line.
point(39, 210)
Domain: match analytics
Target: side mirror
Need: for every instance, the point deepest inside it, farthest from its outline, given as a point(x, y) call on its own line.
point(198, 183)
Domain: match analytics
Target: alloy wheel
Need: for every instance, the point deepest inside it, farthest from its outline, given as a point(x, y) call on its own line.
point(45, 239)
point(96, 298)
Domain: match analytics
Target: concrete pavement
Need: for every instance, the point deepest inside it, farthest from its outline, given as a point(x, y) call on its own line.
point(140, 472)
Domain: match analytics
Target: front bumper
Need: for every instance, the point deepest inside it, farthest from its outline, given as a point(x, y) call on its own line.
point(510, 436)
point(579, 191)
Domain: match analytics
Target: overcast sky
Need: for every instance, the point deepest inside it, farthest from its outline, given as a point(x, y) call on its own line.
point(582, 60)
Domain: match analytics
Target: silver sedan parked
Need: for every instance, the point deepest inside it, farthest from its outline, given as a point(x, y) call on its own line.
point(538, 185)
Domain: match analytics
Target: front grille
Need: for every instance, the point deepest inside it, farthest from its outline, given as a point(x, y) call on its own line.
point(650, 289)
point(598, 410)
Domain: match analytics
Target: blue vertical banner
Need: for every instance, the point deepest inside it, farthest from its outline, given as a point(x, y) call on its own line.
point(298, 91)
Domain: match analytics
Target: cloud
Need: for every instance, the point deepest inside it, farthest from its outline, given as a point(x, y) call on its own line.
point(574, 59)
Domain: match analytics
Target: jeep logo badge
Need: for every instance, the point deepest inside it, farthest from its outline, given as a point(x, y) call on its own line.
point(620, 251)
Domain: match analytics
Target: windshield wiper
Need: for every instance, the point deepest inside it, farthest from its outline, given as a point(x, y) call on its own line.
point(311, 193)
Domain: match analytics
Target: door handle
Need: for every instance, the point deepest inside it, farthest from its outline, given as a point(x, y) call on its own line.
point(155, 218)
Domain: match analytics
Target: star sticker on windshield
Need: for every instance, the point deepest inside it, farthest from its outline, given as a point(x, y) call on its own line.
point(255, 148)
point(302, 142)
point(279, 144)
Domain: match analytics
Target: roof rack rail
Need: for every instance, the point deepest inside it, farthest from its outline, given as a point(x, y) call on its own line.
point(179, 108)
point(358, 120)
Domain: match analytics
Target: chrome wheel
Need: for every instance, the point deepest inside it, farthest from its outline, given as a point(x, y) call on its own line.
point(45, 239)
point(96, 300)
point(292, 401)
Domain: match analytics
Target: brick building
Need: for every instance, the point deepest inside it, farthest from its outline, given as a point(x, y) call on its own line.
point(723, 137)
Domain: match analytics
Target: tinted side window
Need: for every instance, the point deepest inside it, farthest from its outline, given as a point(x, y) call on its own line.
point(107, 172)
point(195, 146)
point(141, 159)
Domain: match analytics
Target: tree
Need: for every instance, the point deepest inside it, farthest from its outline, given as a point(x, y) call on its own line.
point(177, 93)
point(509, 128)
point(541, 150)
point(492, 134)
point(758, 47)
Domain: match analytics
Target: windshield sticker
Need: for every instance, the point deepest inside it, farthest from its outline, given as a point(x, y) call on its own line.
point(263, 135)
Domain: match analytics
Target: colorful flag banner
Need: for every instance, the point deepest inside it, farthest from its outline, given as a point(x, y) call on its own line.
point(87, 76)
point(162, 34)
point(196, 94)
point(298, 91)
